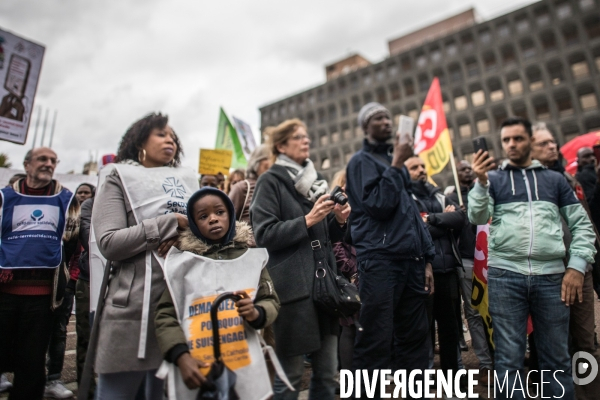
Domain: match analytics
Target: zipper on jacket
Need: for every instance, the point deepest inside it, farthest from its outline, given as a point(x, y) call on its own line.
point(530, 201)
point(384, 238)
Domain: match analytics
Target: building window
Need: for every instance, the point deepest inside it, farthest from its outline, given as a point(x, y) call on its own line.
point(460, 103)
point(348, 156)
point(331, 92)
point(451, 133)
point(323, 138)
point(489, 61)
point(563, 104)
point(548, 40)
point(421, 60)
point(485, 36)
point(347, 133)
point(336, 159)
point(588, 101)
point(446, 105)
point(522, 23)
point(409, 87)
point(367, 80)
point(586, 4)
point(472, 67)
point(520, 110)
point(423, 83)
point(335, 137)
point(483, 126)
point(321, 116)
point(451, 48)
point(367, 97)
point(381, 96)
point(357, 131)
point(320, 95)
point(355, 104)
point(455, 73)
point(542, 16)
point(555, 71)
point(354, 83)
point(395, 91)
point(380, 74)
point(332, 113)
point(541, 108)
point(311, 98)
point(563, 10)
point(478, 98)
point(570, 34)
point(465, 130)
point(393, 70)
point(342, 86)
point(508, 54)
point(592, 26)
point(534, 75)
point(503, 30)
point(528, 48)
point(515, 87)
point(406, 64)
point(326, 164)
point(411, 111)
point(497, 95)
point(344, 108)
point(467, 42)
point(580, 70)
point(436, 54)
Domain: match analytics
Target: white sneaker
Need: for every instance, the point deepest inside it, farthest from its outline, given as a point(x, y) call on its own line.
point(57, 390)
point(4, 383)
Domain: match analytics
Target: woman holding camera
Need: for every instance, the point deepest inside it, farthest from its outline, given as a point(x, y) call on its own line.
point(291, 212)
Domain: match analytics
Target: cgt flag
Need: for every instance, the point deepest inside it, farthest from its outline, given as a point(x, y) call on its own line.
point(227, 138)
point(479, 295)
point(432, 140)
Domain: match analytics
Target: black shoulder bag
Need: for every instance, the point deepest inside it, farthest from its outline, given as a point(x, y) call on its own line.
point(332, 293)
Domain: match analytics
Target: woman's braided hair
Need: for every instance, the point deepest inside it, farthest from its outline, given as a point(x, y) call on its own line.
point(138, 133)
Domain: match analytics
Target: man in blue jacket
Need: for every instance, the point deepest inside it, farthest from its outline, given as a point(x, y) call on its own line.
point(526, 275)
point(393, 248)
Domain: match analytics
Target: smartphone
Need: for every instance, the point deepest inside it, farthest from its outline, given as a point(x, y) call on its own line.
point(479, 143)
point(406, 127)
point(597, 153)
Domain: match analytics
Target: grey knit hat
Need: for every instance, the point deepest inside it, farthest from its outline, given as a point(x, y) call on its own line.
point(368, 110)
point(260, 153)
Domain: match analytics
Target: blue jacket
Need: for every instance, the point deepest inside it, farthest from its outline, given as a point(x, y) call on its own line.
point(385, 222)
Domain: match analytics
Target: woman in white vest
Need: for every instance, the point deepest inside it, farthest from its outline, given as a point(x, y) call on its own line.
point(137, 216)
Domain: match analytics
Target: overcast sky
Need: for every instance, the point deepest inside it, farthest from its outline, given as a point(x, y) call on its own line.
point(108, 63)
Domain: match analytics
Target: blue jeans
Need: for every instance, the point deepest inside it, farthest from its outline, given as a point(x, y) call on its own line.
point(324, 367)
point(512, 297)
point(125, 385)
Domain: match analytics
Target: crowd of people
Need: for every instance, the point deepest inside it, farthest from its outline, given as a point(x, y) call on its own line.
point(408, 245)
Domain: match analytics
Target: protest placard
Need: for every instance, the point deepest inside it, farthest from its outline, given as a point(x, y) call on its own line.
point(20, 65)
point(213, 161)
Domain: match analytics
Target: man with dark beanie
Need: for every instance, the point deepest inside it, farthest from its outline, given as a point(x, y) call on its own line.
point(39, 235)
point(393, 248)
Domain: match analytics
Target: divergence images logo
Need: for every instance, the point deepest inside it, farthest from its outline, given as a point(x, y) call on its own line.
point(172, 187)
point(37, 215)
point(584, 368)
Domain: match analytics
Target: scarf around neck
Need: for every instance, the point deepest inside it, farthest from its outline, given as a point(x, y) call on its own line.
point(305, 177)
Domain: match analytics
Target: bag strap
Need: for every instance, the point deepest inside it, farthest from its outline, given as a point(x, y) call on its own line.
point(245, 201)
point(276, 364)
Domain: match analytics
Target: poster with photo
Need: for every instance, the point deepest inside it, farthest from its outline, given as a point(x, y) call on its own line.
point(20, 66)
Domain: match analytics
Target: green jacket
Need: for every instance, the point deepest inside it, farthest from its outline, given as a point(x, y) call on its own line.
point(170, 336)
point(526, 206)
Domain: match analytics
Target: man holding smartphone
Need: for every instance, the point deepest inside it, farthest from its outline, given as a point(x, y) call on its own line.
point(526, 275)
point(393, 248)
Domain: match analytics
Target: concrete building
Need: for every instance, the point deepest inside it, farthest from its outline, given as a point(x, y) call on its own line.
point(541, 62)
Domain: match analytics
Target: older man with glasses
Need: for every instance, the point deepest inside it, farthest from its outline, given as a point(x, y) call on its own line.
point(39, 234)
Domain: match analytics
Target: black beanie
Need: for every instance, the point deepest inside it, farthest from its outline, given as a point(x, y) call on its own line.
point(190, 210)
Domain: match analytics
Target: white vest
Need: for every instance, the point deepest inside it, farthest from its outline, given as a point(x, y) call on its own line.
point(194, 282)
point(151, 192)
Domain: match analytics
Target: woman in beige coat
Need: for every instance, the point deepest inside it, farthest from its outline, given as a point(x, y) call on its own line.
point(128, 353)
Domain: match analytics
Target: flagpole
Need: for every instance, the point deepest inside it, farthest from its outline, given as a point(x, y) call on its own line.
point(455, 173)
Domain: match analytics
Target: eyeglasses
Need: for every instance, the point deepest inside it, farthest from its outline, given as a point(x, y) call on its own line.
point(300, 136)
point(545, 143)
point(44, 159)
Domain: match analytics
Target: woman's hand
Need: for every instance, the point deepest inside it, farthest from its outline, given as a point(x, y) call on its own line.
point(245, 307)
point(165, 246)
point(323, 206)
point(182, 221)
point(342, 213)
point(190, 370)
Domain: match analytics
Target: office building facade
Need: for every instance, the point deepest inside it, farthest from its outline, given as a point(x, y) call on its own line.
point(541, 62)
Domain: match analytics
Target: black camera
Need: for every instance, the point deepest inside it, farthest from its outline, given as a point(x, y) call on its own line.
point(337, 196)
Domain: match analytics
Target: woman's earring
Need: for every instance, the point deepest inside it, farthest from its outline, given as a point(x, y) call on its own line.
point(143, 158)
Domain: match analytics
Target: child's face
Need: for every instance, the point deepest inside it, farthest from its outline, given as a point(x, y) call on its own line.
point(211, 217)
